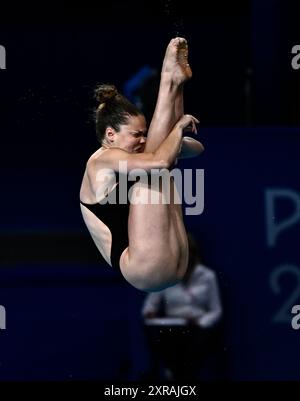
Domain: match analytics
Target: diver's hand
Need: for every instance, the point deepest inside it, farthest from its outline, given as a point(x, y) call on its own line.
point(188, 123)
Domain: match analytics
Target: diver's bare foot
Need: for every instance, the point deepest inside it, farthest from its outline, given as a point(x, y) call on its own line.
point(176, 61)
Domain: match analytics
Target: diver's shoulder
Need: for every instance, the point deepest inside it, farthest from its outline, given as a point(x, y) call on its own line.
point(96, 158)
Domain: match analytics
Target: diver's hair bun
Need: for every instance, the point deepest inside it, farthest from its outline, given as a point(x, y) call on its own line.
point(105, 92)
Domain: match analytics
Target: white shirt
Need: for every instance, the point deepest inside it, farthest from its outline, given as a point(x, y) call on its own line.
point(199, 299)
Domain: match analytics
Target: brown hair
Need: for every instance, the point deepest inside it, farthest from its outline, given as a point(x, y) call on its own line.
point(113, 110)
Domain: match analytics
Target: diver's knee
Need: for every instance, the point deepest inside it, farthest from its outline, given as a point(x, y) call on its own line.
point(151, 276)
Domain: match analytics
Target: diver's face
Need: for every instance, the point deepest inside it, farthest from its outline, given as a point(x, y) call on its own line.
point(131, 136)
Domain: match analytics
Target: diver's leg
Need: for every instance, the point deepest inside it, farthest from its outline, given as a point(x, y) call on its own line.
point(179, 103)
point(156, 257)
point(174, 72)
point(157, 253)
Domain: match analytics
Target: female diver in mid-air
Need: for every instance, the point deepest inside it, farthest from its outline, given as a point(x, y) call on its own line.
point(146, 241)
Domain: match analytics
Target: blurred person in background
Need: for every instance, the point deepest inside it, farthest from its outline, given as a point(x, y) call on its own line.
point(182, 322)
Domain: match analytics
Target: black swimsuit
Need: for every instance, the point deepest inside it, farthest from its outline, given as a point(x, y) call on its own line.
point(115, 217)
